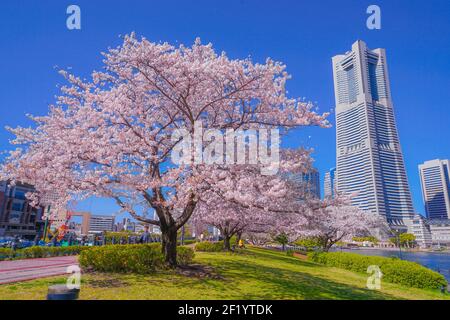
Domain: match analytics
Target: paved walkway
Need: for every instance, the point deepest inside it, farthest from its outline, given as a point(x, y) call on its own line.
point(29, 269)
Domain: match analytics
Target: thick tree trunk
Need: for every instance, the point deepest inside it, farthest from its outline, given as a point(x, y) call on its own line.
point(326, 245)
point(169, 226)
point(226, 242)
point(169, 246)
point(238, 237)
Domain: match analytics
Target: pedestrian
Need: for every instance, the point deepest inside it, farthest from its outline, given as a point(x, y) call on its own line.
point(15, 243)
point(145, 236)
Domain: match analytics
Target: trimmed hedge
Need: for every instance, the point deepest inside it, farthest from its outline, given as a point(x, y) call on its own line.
point(136, 258)
point(39, 252)
point(394, 270)
point(6, 254)
point(207, 246)
point(187, 242)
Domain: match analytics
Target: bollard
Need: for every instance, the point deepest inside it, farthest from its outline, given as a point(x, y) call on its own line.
point(61, 292)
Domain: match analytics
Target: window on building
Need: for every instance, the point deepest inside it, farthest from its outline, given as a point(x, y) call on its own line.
point(20, 194)
point(17, 206)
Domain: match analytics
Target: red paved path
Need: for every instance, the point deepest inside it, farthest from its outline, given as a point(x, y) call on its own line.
point(29, 269)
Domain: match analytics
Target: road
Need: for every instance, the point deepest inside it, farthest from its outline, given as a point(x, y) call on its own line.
point(29, 269)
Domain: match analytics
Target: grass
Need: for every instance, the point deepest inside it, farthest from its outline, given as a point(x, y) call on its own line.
point(256, 274)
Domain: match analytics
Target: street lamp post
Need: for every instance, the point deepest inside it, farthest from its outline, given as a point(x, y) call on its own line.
point(399, 246)
point(46, 222)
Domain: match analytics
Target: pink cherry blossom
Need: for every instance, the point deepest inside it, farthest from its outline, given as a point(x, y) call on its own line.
point(111, 136)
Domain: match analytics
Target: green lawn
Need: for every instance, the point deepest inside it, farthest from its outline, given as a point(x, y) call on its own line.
point(256, 274)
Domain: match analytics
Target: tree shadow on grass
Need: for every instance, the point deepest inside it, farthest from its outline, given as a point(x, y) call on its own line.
point(281, 256)
point(260, 279)
point(276, 283)
point(261, 274)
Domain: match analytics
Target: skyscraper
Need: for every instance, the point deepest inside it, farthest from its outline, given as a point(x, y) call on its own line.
point(329, 183)
point(435, 182)
point(369, 158)
point(306, 183)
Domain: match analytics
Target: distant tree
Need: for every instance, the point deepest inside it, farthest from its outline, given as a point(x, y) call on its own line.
point(403, 239)
point(308, 242)
point(338, 221)
point(407, 240)
point(372, 239)
point(282, 239)
point(257, 238)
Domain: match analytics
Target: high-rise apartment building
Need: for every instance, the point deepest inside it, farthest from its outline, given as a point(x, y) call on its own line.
point(329, 183)
point(435, 182)
point(370, 163)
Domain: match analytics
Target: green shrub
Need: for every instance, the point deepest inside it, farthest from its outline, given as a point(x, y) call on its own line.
point(185, 255)
point(35, 252)
point(308, 244)
point(39, 252)
point(363, 239)
point(207, 246)
point(394, 270)
point(6, 254)
point(187, 242)
point(137, 258)
point(45, 252)
point(66, 251)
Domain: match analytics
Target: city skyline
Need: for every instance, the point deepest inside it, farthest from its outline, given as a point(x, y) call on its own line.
point(417, 66)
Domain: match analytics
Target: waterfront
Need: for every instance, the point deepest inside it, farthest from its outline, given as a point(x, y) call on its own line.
point(437, 261)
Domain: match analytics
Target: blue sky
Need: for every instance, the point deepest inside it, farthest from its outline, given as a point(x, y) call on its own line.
point(303, 34)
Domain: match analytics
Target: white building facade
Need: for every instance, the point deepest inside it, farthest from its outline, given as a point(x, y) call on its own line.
point(419, 227)
point(435, 182)
point(98, 224)
point(440, 232)
point(369, 158)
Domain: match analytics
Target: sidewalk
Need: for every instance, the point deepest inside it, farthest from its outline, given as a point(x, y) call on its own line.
point(29, 269)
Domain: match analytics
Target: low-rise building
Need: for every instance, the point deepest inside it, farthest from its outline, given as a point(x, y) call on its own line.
point(17, 216)
point(98, 223)
point(440, 231)
point(419, 227)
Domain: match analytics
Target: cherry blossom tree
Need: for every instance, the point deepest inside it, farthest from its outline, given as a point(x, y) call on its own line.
point(258, 238)
point(230, 217)
point(240, 200)
point(336, 221)
point(112, 135)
